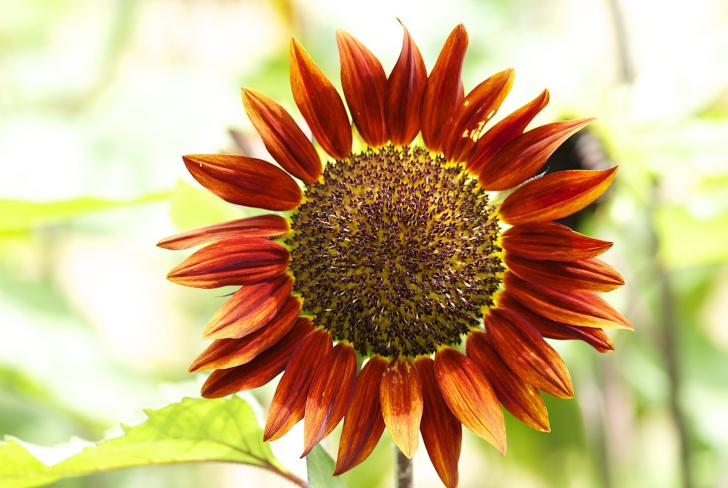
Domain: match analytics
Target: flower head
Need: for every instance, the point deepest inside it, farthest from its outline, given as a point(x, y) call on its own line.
point(395, 256)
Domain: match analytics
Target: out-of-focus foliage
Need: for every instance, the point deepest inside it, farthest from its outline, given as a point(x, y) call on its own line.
point(194, 430)
point(98, 101)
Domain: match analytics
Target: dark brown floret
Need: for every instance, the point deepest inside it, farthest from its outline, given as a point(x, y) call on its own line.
point(396, 252)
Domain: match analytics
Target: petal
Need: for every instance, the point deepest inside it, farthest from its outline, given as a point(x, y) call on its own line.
point(519, 398)
point(583, 275)
point(443, 91)
point(470, 397)
point(260, 370)
point(551, 241)
point(249, 309)
point(404, 93)
point(474, 112)
point(245, 181)
point(527, 354)
point(268, 226)
point(365, 88)
point(319, 103)
point(520, 158)
point(228, 353)
point(575, 308)
point(593, 336)
point(283, 138)
point(329, 395)
point(555, 196)
point(441, 431)
point(503, 132)
point(234, 261)
point(401, 397)
point(363, 423)
point(289, 401)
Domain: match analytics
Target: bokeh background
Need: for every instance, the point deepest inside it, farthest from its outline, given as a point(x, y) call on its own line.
point(98, 100)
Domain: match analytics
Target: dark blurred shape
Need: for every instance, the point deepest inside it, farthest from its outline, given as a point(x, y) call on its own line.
point(583, 150)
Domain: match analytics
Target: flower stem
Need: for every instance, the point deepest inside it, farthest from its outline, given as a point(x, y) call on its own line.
point(405, 470)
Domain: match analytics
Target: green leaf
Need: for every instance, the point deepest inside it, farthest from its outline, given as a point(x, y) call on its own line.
point(689, 241)
point(21, 215)
point(321, 469)
point(194, 430)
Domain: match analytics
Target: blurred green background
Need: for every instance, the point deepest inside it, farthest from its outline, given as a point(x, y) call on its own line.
point(98, 100)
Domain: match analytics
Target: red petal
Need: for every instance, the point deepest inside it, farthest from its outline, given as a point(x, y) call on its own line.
point(284, 140)
point(443, 91)
point(404, 93)
point(503, 132)
point(268, 226)
point(249, 309)
point(441, 431)
point(520, 158)
point(245, 181)
point(526, 353)
point(365, 88)
point(470, 397)
point(330, 394)
point(583, 275)
point(520, 398)
point(260, 370)
point(574, 308)
point(363, 423)
point(401, 397)
point(289, 402)
point(474, 112)
point(234, 261)
point(551, 241)
point(593, 336)
point(555, 196)
point(319, 103)
point(228, 353)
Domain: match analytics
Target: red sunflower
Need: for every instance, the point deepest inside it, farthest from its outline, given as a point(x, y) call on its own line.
point(395, 258)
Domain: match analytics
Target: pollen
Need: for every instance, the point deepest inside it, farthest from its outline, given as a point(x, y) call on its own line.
point(396, 251)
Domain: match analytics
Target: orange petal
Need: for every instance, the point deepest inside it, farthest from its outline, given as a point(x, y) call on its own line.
point(520, 158)
point(441, 431)
point(284, 140)
point(260, 370)
point(404, 93)
point(593, 336)
point(268, 226)
point(228, 353)
point(234, 261)
point(552, 241)
point(575, 308)
point(245, 181)
point(329, 395)
point(582, 275)
point(319, 103)
point(289, 401)
point(401, 397)
point(443, 91)
point(470, 397)
point(527, 354)
point(503, 132)
point(365, 88)
point(363, 423)
point(474, 112)
point(555, 196)
point(249, 309)
point(519, 398)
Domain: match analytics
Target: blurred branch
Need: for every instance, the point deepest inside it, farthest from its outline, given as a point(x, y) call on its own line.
point(405, 471)
point(626, 69)
point(667, 319)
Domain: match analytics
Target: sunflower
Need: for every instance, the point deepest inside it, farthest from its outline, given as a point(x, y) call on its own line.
point(410, 281)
